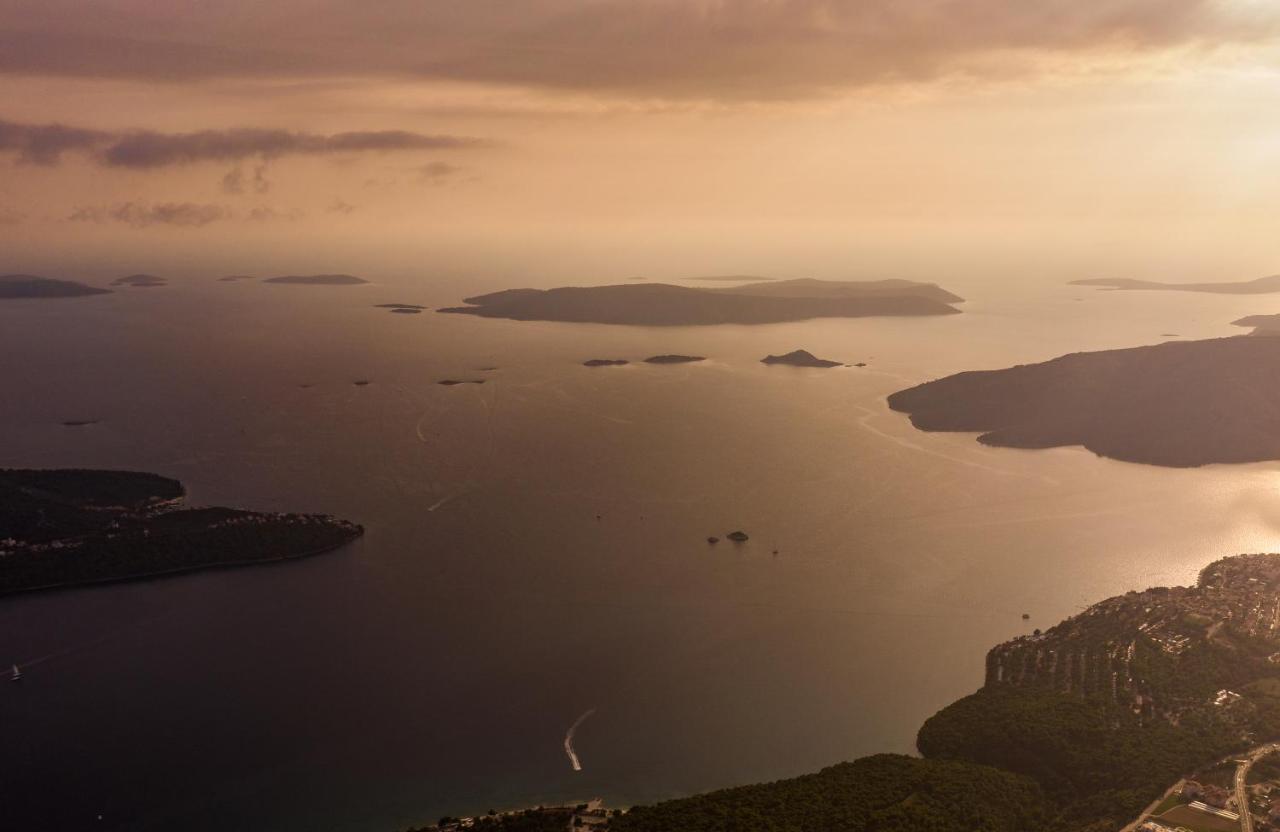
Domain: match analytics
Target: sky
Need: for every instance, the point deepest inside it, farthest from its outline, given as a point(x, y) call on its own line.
point(601, 139)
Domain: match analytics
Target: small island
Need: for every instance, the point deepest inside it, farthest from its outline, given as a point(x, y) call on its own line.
point(30, 286)
point(68, 527)
point(1260, 286)
point(450, 382)
point(799, 358)
point(234, 278)
point(605, 362)
point(318, 280)
point(1177, 403)
point(401, 308)
point(140, 281)
point(674, 359)
point(661, 304)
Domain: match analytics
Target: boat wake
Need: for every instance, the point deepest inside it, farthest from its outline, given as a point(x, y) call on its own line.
point(568, 740)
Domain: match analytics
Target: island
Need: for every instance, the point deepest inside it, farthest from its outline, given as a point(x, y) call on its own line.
point(605, 362)
point(450, 382)
point(1177, 403)
point(69, 527)
point(674, 359)
point(402, 308)
point(799, 358)
point(318, 280)
point(1081, 728)
point(234, 278)
point(140, 281)
point(30, 286)
point(661, 304)
point(1260, 286)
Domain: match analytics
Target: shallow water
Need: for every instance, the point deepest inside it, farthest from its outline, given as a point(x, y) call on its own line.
point(536, 549)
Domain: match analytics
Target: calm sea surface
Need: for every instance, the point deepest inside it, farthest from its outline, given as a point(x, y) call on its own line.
point(536, 549)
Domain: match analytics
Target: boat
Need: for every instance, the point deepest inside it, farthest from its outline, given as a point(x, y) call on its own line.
point(17, 674)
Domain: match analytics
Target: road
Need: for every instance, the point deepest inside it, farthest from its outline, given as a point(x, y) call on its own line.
point(1242, 778)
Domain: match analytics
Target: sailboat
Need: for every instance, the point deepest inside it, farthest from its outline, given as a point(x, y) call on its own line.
point(17, 674)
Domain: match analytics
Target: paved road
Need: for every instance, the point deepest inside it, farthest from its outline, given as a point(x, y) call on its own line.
point(1242, 779)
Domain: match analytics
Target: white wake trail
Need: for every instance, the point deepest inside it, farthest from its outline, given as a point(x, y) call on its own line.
point(568, 740)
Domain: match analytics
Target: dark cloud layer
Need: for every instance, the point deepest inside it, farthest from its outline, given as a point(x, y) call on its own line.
point(46, 144)
point(755, 48)
point(143, 214)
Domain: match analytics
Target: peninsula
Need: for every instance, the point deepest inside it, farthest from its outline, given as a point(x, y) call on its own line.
point(660, 304)
point(29, 286)
point(1177, 404)
point(1076, 729)
point(67, 527)
point(1260, 286)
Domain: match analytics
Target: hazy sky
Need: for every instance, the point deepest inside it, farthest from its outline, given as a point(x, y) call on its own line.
point(606, 138)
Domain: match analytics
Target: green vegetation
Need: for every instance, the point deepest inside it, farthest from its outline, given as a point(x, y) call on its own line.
point(1096, 761)
point(885, 793)
point(67, 527)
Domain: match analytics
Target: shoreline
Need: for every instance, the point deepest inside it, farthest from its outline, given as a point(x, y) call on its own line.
point(181, 570)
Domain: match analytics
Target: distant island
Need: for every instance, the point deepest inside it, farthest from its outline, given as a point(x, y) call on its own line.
point(29, 286)
point(140, 281)
point(232, 278)
point(1178, 403)
point(799, 358)
point(318, 280)
point(400, 307)
point(1260, 286)
point(674, 359)
point(660, 304)
point(450, 382)
point(1083, 728)
point(730, 278)
point(67, 527)
point(605, 362)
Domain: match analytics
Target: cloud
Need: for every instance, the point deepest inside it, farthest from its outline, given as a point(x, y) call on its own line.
point(46, 144)
point(141, 214)
point(339, 206)
point(9, 216)
point(235, 182)
point(265, 213)
point(439, 173)
point(706, 48)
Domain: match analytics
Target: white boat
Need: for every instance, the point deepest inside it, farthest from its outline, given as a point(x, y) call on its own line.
point(17, 674)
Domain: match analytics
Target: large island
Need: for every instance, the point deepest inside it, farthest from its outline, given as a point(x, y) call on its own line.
point(660, 304)
point(1176, 404)
point(69, 526)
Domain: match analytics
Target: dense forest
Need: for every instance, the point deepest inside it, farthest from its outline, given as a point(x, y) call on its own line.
point(884, 793)
point(60, 528)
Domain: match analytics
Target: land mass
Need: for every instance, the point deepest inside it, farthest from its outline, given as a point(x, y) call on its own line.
point(674, 359)
point(1260, 286)
point(1075, 729)
point(660, 304)
point(799, 358)
point(30, 286)
point(68, 527)
point(1177, 404)
point(318, 279)
point(140, 281)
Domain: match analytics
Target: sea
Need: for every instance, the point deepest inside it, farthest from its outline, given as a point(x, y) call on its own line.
point(535, 614)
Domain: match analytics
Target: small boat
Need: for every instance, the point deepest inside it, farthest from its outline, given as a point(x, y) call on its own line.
point(17, 674)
